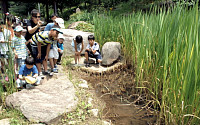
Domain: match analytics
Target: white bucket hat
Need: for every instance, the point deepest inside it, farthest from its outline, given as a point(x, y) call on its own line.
point(60, 22)
point(18, 28)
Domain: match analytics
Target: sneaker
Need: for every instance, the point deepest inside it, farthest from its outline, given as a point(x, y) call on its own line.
point(55, 70)
point(87, 65)
point(58, 63)
point(51, 73)
point(45, 73)
point(55, 66)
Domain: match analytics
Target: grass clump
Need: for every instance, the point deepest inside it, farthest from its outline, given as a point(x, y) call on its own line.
point(86, 27)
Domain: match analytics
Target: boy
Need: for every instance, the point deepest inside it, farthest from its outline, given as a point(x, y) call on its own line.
point(28, 70)
point(41, 43)
point(78, 46)
point(19, 47)
point(93, 51)
point(60, 47)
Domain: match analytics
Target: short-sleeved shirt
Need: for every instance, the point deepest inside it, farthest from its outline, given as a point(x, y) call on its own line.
point(48, 26)
point(24, 71)
point(94, 47)
point(42, 37)
point(4, 36)
point(20, 46)
point(32, 24)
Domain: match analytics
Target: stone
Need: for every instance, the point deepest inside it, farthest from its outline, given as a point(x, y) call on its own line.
point(107, 123)
point(45, 102)
point(111, 52)
point(94, 112)
point(83, 85)
point(78, 10)
point(69, 35)
point(75, 24)
point(5, 121)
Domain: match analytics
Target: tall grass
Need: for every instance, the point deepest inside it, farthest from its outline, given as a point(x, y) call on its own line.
point(164, 49)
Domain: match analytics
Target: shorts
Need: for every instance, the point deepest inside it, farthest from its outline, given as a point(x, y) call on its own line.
point(78, 48)
point(97, 57)
point(53, 53)
point(35, 53)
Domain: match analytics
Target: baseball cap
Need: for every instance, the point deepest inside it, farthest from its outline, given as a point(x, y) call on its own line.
point(18, 28)
point(57, 29)
point(60, 22)
point(60, 36)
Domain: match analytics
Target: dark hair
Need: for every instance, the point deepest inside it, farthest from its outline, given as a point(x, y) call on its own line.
point(10, 18)
point(30, 61)
point(91, 37)
point(34, 12)
point(79, 39)
point(54, 14)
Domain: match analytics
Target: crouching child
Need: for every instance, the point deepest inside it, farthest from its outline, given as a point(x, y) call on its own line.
point(93, 51)
point(28, 75)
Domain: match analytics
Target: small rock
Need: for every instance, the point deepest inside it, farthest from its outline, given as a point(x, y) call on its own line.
point(72, 122)
point(5, 121)
point(106, 123)
point(90, 100)
point(83, 85)
point(94, 112)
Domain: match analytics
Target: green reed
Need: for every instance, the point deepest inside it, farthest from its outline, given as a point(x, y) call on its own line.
point(163, 47)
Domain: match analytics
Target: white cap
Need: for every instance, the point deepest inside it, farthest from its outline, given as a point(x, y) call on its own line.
point(60, 36)
point(60, 22)
point(18, 28)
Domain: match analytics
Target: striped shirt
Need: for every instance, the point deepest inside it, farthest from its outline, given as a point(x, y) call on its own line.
point(20, 47)
point(42, 37)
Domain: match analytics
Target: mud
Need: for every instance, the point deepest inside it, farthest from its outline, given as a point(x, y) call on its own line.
point(123, 106)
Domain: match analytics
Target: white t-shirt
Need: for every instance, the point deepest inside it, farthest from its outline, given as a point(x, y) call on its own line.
point(94, 47)
point(4, 36)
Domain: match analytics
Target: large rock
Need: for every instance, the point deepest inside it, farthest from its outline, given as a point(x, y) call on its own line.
point(111, 52)
point(45, 102)
point(69, 34)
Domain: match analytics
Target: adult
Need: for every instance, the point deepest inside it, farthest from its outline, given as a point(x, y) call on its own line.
point(33, 26)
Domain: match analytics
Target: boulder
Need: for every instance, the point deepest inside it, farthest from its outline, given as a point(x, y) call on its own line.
point(69, 35)
point(46, 102)
point(111, 52)
point(75, 24)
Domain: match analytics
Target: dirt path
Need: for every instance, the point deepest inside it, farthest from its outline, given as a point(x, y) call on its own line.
point(117, 90)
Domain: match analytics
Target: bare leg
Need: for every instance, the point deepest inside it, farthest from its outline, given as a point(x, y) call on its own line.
point(86, 57)
point(75, 57)
point(38, 65)
point(55, 61)
point(45, 65)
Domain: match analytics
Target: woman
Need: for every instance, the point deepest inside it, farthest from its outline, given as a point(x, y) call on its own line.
point(33, 26)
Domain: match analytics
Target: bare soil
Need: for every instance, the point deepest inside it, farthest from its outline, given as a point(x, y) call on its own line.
point(117, 90)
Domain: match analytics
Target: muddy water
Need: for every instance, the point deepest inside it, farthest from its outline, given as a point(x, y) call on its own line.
point(123, 106)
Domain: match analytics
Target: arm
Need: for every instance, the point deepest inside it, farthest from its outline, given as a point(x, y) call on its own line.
point(47, 52)
point(75, 46)
point(82, 47)
point(31, 30)
point(21, 77)
point(39, 50)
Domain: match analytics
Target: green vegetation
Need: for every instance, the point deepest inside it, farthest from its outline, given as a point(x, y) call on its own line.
point(164, 49)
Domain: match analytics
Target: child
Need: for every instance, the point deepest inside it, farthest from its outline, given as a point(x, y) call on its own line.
point(78, 46)
point(93, 51)
point(5, 37)
point(41, 43)
point(28, 70)
point(60, 47)
point(19, 47)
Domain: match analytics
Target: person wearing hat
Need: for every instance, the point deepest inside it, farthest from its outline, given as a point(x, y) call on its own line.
point(53, 53)
point(41, 43)
point(19, 47)
point(60, 47)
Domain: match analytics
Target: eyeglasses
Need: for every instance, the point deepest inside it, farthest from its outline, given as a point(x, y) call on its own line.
point(37, 16)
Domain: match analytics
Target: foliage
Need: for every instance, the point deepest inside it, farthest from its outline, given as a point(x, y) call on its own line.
point(86, 27)
point(164, 49)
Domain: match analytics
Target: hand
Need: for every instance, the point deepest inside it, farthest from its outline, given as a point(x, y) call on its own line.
point(39, 56)
point(59, 49)
point(39, 23)
point(77, 53)
point(46, 58)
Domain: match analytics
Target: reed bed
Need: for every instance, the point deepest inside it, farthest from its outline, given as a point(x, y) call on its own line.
point(163, 47)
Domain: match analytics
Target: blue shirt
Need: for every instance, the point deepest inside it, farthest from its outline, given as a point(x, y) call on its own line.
point(24, 71)
point(48, 26)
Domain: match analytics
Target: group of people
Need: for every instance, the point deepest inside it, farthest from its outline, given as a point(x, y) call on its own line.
point(32, 50)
